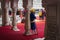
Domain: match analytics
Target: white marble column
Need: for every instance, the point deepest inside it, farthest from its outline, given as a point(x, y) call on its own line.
point(5, 12)
point(14, 6)
point(27, 5)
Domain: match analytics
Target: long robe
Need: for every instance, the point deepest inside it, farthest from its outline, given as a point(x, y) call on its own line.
point(32, 18)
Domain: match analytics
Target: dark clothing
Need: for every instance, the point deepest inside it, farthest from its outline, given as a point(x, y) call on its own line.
point(33, 26)
point(9, 12)
point(32, 18)
point(17, 13)
point(43, 14)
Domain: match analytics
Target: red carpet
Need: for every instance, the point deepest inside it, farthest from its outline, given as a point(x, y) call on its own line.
point(7, 34)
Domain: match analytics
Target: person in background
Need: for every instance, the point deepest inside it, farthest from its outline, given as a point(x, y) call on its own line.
point(43, 13)
point(40, 14)
point(23, 14)
point(32, 21)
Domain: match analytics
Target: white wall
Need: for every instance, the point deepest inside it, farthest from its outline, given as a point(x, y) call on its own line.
point(20, 3)
point(37, 4)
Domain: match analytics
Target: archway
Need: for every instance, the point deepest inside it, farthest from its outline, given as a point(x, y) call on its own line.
point(51, 19)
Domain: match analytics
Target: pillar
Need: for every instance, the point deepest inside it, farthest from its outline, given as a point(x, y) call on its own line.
point(51, 28)
point(14, 6)
point(58, 21)
point(27, 4)
point(5, 11)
